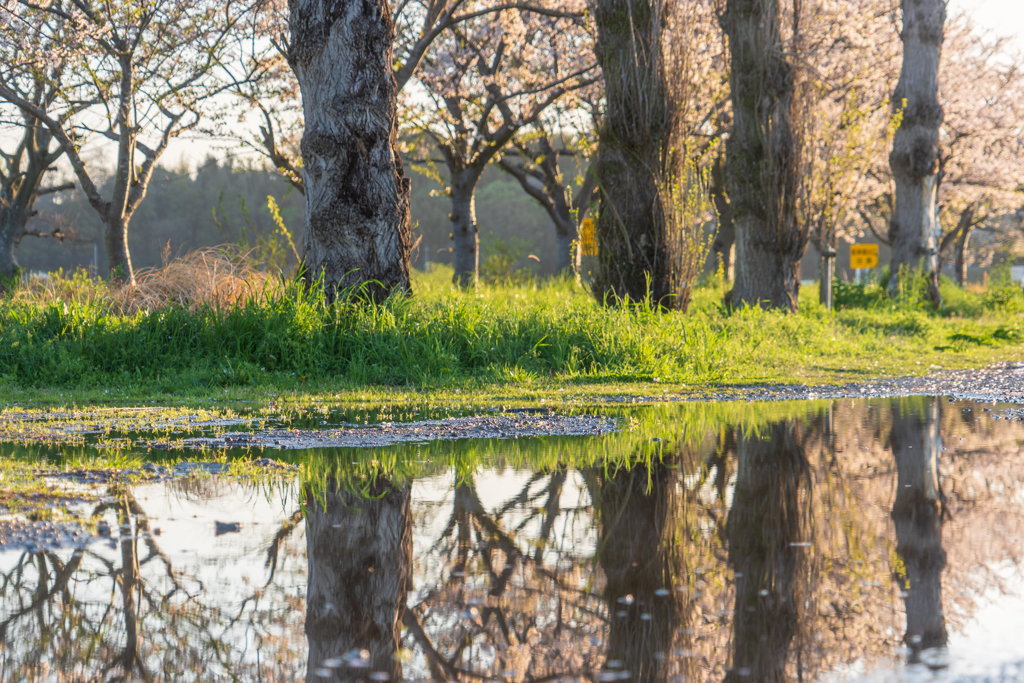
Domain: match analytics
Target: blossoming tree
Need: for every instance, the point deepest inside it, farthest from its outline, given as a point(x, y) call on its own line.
point(134, 73)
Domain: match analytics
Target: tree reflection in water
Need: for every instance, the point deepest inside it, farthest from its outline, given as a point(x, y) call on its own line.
point(359, 548)
point(120, 610)
point(641, 553)
point(917, 515)
point(767, 529)
point(618, 569)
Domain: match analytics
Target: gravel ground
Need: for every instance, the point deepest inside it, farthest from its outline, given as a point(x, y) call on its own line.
point(1001, 382)
point(513, 426)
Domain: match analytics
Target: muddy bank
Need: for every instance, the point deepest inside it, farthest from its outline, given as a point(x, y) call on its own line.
point(389, 433)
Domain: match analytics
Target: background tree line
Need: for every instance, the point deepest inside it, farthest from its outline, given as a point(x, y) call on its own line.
point(774, 126)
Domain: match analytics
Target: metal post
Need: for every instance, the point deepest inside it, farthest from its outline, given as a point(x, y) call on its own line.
point(828, 265)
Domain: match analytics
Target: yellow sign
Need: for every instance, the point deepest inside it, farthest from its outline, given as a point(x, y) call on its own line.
point(863, 256)
point(588, 237)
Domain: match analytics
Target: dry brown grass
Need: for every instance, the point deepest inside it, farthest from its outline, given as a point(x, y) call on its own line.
point(218, 277)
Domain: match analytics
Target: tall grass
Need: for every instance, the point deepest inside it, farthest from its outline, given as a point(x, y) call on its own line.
point(212, 320)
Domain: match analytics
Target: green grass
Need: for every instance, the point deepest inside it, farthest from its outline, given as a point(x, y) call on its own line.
point(525, 341)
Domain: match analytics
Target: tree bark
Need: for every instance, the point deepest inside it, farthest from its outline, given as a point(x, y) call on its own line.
point(465, 233)
point(960, 264)
point(633, 258)
point(357, 196)
point(914, 229)
point(763, 156)
point(115, 236)
point(917, 516)
point(360, 558)
point(766, 520)
point(725, 238)
point(12, 227)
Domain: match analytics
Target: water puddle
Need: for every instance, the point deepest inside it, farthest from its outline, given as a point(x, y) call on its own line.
point(873, 539)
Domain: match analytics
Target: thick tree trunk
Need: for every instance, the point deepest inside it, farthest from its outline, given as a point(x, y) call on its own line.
point(633, 257)
point(763, 156)
point(725, 237)
point(465, 234)
point(357, 196)
point(914, 230)
point(360, 554)
point(917, 516)
point(766, 520)
point(639, 556)
point(115, 235)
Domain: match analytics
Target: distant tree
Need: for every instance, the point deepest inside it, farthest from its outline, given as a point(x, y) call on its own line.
point(536, 165)
point(29, 153)
point(489, 79)
point(980, 156)
point(137, 74)
point(23, 168)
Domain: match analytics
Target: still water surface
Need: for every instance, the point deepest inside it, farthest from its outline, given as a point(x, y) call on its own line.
point(846, 540)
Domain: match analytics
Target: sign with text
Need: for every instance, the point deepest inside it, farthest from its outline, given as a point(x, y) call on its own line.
point(863, 256)
point(588, 237)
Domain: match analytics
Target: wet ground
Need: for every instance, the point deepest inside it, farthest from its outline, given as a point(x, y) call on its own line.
point(852, 539)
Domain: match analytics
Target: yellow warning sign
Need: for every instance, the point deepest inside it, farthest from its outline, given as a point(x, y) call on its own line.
point(588, 237)
point(863, 256)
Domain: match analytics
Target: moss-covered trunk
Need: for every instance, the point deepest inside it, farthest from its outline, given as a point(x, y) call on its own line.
point(763, 155)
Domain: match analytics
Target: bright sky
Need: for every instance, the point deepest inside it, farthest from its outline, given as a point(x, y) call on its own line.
point(1005, 17)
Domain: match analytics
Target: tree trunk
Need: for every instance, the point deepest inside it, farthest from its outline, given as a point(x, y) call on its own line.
point(357, 196)
point(961, 254)
point(763, 156)
point(130, 659)
point(725, 238)
point(766, 520)
point(465, 234)
point(360, 558)
point(566, 250)
point(115, 235)
point(12, 226)
point(914, 230)
point(633, 259)
point(917, 516)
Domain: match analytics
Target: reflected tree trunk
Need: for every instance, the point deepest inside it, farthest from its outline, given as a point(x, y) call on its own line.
point(360, 553)
point(917, 516)
point(129, 586)
point(766, 520)
point(638, 553)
